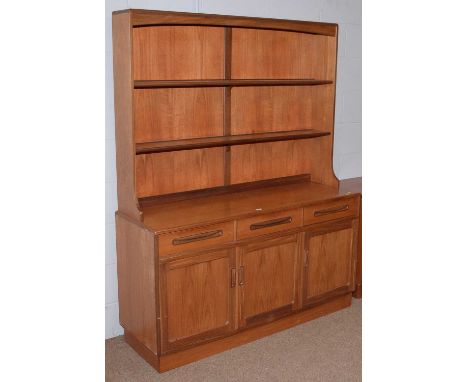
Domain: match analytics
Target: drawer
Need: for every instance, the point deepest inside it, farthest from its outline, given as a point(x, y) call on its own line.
point(196, 238)
point(268, 223)
point(336, 209)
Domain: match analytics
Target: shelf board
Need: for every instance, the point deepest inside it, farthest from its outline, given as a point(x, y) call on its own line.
point(244, 139)
point(148, 84)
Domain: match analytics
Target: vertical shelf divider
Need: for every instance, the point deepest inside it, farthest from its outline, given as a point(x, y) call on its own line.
point(227, 103)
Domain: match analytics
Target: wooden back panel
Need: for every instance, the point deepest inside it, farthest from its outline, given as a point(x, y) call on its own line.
point(250, 163)
point(178, 171)
point(279, 108)
point(258, 53)
point(178, 53)
point(181, 113)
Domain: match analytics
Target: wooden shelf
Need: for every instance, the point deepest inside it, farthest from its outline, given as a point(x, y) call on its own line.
point(197, 143)
point(147, 84)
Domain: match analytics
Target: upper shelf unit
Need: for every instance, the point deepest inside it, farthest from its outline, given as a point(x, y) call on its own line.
point(148, 84)
point(244, 139)
point(212, 101)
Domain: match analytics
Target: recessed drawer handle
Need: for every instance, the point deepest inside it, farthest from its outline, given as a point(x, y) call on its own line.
point(271, 223)
point(197, 237)
point(331, 210)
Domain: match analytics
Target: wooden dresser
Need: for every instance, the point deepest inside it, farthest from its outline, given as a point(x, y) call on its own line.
point(231, 224)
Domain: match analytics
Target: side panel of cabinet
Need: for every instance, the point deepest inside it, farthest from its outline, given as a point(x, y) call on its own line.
point(330, 256)
point(198, 298)
point(267, 279)
point(137, 277)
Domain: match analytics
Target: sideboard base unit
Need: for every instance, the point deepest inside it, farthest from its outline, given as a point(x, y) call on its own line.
point(172, 360)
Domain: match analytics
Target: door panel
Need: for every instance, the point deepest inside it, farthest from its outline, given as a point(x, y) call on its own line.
point(267, 279)
point(329, 262)
point(198, 298)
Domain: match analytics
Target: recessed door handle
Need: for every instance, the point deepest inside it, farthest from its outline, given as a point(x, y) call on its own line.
point(241, 275)
point(331, 210)
point(197, 237)
point(233, 277)
point(271, 223)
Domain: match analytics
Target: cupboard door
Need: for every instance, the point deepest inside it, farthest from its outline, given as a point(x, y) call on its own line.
point(267, 279)
point(329, 262)
point(197, 298)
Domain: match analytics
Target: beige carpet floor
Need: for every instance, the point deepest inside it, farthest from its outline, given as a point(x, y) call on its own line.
point(326, 349)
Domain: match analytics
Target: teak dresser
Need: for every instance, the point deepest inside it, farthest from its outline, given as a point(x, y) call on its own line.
point(231, 224)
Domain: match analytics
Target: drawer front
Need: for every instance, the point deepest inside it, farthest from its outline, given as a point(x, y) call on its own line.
point(337, 209)
point(195, 238)
point(268, 223)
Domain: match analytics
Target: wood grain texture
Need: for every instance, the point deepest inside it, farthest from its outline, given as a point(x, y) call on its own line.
point(322, 151)
point(330, 262)
point(165, 173)
point(153, 84)
point(223, 190)
point(125, 150)
point(271, 160)
point(194, 276)
point(237, 205)
point(354, 185)
point(227, 103)
point(198, 298)
point(358, 291)
point(167, 247)
point(178, 53)
point(268, 277)
point(244, 230)
point(228, 140)
point(137, 280)
point(276, 54)
point(263, 109)
point(338, 209)
point(171, 361)
point(142, 17)
point(147, 354)
point(169, 114)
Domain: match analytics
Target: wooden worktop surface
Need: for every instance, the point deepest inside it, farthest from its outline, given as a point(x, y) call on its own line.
point(219, 208)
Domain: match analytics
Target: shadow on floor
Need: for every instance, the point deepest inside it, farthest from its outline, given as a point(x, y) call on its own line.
point(327, 349)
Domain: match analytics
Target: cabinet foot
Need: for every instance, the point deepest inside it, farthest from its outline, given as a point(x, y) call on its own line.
point(358, 292)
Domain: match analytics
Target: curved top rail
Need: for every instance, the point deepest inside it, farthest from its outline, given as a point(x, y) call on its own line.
point(141, 18)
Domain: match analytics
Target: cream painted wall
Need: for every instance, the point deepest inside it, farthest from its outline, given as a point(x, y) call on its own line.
point(348, 148)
